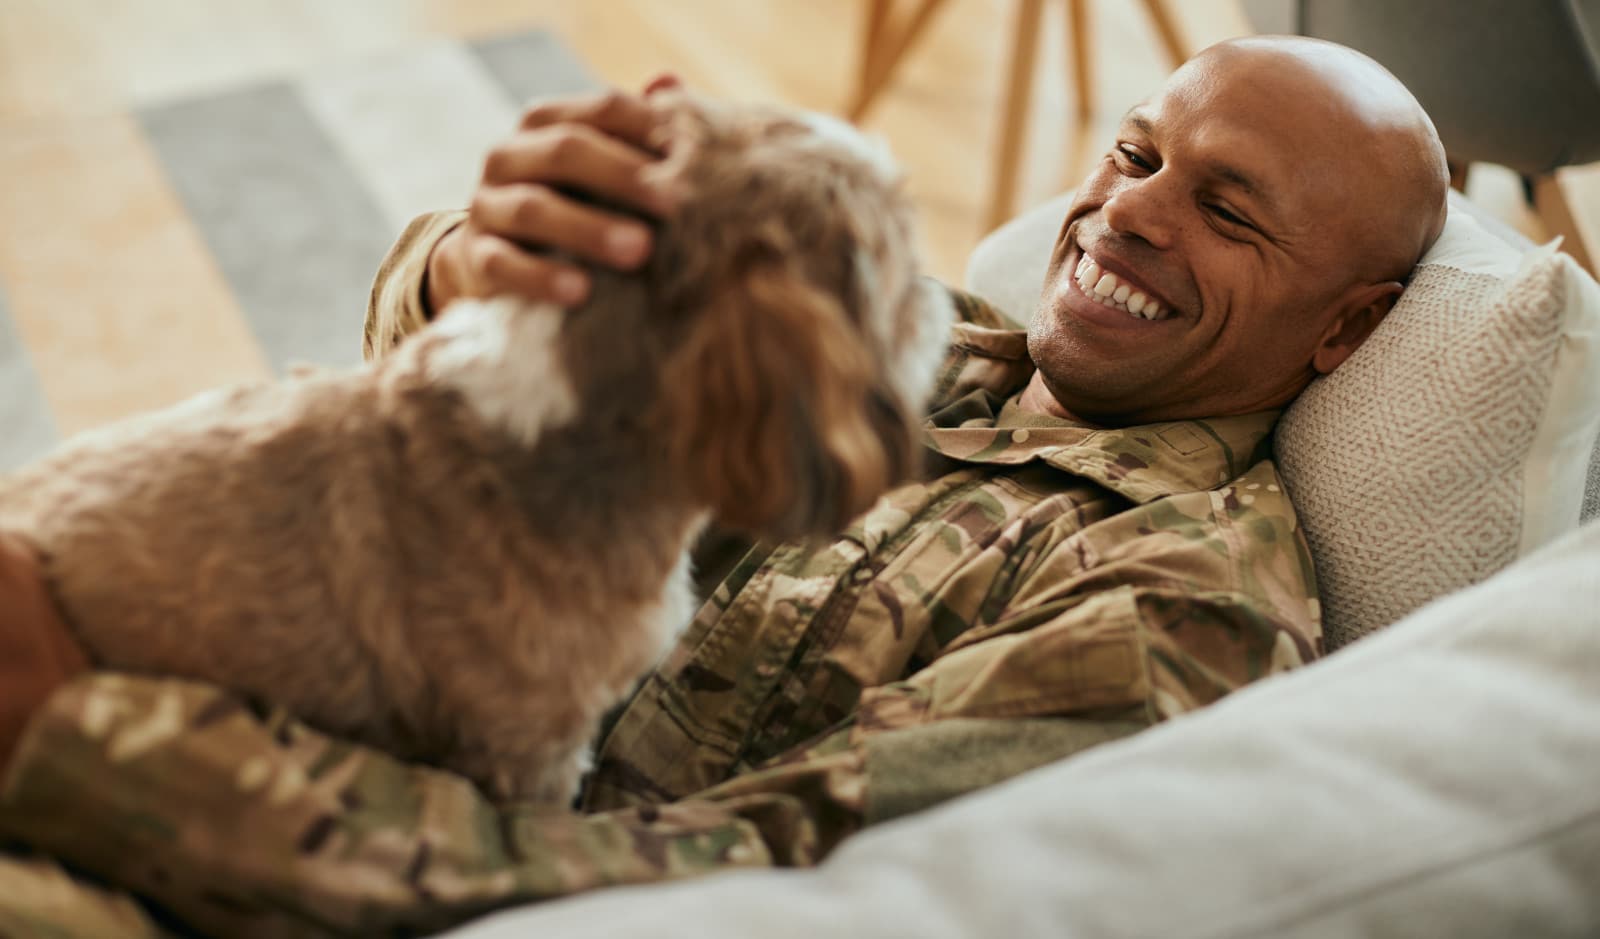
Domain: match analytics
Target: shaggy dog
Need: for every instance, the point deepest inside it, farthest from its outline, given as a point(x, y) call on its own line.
point(468, 551)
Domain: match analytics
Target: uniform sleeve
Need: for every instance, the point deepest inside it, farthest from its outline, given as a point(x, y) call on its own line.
point(398, 306)
point(243, 824)
point(1148, 613)
point(40, 898)
point(249, 825)
point(974, 310)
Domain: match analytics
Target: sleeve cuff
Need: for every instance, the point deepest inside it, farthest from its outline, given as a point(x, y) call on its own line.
point(398, 304)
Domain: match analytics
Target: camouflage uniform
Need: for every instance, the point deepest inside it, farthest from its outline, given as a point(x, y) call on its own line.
point(1047, 588)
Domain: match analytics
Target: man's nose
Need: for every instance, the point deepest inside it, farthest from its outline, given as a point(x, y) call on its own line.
point(1148, 209)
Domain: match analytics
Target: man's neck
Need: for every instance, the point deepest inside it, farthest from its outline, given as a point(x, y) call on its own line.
point(1037, 399)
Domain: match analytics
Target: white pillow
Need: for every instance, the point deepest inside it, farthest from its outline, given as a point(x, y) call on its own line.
point(1456, 439)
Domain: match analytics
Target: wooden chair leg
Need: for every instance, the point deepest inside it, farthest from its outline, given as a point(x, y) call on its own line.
point(1167, 31)
point(1018, 96)
point(1550, 201)
point(1082, 65)
point(888, 47)
point(877, 14)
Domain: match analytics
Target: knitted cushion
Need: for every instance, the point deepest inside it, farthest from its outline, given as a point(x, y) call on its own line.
point(1591, 494)
point(1456, 439)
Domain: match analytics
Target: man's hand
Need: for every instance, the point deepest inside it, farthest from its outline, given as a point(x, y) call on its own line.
point(599, 145)
point(37, 649)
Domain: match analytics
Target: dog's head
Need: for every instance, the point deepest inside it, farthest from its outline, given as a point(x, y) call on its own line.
point(806, 342)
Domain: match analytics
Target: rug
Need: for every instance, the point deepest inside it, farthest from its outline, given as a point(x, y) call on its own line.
point(297, 187)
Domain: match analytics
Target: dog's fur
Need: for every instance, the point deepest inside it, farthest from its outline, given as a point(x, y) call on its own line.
point(467, 551)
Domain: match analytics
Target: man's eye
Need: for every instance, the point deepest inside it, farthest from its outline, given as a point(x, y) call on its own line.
point(1229, 217)
point(1132, 156)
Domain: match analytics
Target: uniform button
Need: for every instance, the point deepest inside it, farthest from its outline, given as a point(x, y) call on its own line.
point(1020, 435)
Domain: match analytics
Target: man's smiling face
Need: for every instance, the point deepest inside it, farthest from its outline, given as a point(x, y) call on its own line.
point(1227, 248)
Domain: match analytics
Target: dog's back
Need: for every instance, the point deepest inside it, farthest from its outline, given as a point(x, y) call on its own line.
point(201, 541)
point(468, 551)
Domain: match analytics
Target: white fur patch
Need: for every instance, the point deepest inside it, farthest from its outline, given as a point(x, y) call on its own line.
point(678, 605)
point(916, 358)
point(871, 149)
point(501, 355)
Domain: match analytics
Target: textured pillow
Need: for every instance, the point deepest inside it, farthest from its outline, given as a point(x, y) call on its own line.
point(1456, 439)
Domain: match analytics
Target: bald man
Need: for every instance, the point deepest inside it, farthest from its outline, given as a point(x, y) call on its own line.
point(1102, 541)
point(1268, 205)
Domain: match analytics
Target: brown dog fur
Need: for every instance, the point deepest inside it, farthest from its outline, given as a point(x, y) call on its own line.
point(467, 551)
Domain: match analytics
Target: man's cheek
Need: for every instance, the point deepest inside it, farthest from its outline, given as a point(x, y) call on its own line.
point(1095, 189)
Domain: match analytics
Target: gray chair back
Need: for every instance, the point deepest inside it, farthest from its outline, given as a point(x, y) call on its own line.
point(1514, 82)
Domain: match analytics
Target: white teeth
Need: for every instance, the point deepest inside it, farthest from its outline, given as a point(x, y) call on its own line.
point(1109, 290)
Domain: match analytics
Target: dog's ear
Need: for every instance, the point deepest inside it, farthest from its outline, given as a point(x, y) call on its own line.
point(781, 419)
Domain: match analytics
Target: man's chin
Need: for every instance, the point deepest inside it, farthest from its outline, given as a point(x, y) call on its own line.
point(1094, 386)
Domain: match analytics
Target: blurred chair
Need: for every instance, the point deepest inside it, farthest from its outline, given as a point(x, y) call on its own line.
point(1513, 83)
point(889, 33)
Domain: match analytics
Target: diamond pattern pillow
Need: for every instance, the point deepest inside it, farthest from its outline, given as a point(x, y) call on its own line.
point(1456, 439)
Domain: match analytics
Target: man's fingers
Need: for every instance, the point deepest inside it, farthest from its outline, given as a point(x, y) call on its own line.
point(596, 146)
point(536, 215)
point(665, 81)
point(500, 267)
point(581, 157)
point(616, 113)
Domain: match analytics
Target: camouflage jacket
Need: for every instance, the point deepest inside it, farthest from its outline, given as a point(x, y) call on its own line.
point(1047, 588)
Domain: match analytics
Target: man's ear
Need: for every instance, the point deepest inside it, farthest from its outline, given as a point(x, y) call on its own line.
point(1362, 311)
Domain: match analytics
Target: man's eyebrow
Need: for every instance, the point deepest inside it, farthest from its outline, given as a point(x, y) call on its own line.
point(1239, 178)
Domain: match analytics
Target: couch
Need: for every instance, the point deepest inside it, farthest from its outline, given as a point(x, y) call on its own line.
point(1437, 777)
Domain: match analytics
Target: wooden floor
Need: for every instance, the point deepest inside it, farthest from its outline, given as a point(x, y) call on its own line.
point(71, 70)
point(77, 61)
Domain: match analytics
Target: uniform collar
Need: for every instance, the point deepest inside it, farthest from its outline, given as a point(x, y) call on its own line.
point(1141, 463)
